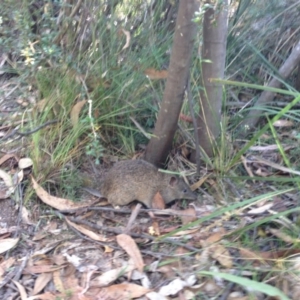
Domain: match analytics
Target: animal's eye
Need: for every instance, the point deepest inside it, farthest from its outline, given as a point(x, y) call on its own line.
point(185, 190)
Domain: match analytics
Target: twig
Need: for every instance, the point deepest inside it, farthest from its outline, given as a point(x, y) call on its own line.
point(134, 235)
point(80, 234)
point(132, 218)
point(123, 210)
point(15, 131)
point(21, 268)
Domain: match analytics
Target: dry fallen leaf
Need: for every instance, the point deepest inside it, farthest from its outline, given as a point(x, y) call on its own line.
point(21, 289)
point(107, 249)
point(111, 275)
point(188, 215)
point(87, 232)
point(5, 265)
point(71, 282)
point(56, 202)
point(121, 291)
point(222, 255)
point(249, 255)
point(25, 162)
point(283, 123)
point(154, 229)
point(197, 184)
point(217, 236)
point(156, 74)
point(41, 281)
point(40, 106)
point(283, 236)
point(76, 109)
point(4, 194)
point(45, 296)
point(25, 216)
point(129, 245)
point(187, 232)
point(176, 286)
point(58, 282)
point(185, 118)
point(7, 179)
point(261, 209)
point(7, 244)
point(6, 157)
point(41, 269)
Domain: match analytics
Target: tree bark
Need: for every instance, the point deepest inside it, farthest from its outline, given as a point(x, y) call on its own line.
point(166, 125)
point(256, 112)
point(213, 66)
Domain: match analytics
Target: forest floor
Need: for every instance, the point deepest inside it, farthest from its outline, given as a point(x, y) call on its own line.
point(55, 248)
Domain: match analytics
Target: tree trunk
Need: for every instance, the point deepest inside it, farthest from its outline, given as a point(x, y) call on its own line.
point(213, 65)
point(166, 125)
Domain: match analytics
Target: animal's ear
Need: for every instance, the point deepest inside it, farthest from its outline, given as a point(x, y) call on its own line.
point(173, 181)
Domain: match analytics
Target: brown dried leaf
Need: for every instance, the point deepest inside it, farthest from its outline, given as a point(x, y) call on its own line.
point(237, 296)
point(197, 184)
point(6, 157)
point(7, 179)
point(283, 236)
point(76, 109)
point(70, 281)
point(154, 229)
point(184, 151)
point(214, 238)
point(56, 202)
point(129, 245)
point(40, 235)
point(41, 269)
point(222, 255)
point(25, 216)
point(45, 296)
point(122, 291)
point(283, 123)
point(188, 215)
point(155, 74)
point(40, 106)
point(187, 232)
point(58, 283)
point(5, 265)
point(87, 232)
point(250, 255)
point(107, 249)
point(4, 195)
point(185, 118)
point(59, 259)
point(41, 281)
point(21, 289)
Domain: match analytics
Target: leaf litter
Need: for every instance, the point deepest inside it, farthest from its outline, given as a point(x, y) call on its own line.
point(86, 263)
point(82, 251)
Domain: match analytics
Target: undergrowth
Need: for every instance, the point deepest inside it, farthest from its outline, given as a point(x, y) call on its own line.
point(92, 63)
